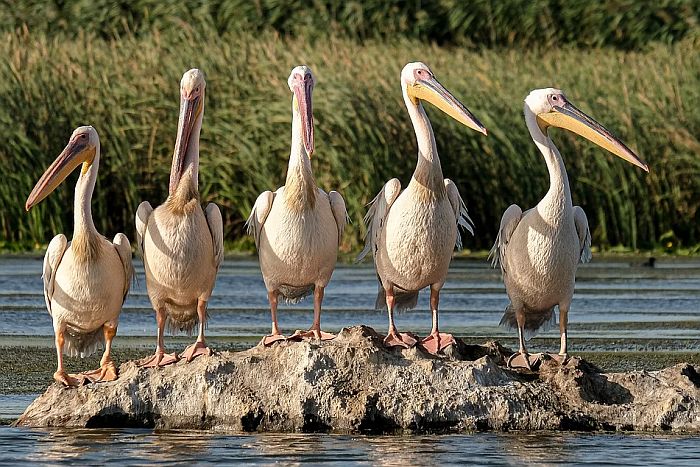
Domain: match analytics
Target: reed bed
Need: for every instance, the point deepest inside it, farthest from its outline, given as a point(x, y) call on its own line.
point(128, 89)
point(627, 24)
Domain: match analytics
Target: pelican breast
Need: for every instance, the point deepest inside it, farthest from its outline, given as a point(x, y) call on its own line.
point(179, 255)
point(417, 241)
point(542, 251)
point(299, 246)
point(87, 293)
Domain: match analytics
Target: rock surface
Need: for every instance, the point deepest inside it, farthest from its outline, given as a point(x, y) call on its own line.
point(353, 384)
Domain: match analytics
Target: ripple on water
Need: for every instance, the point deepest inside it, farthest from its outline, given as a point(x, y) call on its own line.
point(61, 446)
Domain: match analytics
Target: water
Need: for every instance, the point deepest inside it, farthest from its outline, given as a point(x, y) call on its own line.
point(613, 299)
point(135, 447)
point(619, 305)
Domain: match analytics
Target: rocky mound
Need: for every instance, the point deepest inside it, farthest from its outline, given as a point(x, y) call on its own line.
point(353, 384)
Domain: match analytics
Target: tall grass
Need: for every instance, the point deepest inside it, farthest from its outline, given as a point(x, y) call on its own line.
point(128, 89)
point(628, 24)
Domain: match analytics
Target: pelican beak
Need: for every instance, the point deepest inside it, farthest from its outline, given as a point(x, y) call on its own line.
point(432, 91)
point(76, 152)
point(567, 116)
point(190, 109)
point(302, 98)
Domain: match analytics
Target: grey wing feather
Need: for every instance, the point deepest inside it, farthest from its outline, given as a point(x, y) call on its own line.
point(52, 258)
point(376, 215)
point(510, 220)
point(460, 210)
point(143, 212)
point(123, 247)
point(257, 217)
point(216, 228)
point(340, 213)
point(584, 234)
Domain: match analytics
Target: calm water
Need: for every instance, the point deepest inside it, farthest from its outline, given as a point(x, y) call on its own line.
point(618, 305)
point(135, 447)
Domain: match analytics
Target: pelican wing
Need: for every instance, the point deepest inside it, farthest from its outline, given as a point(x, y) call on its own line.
point(584, 234)
point(339, 212)
point(460, 210)
point(509, 221)
point(216, 228)
point(262, 207)
point(54, 254)
point(142, 214)
point(123, 247)
point(376, 215)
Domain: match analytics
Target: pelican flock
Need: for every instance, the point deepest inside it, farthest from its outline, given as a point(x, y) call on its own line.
point(539, 250)
point(85, 280)
point(412, 233)
point(182, 245)
point(298, 228)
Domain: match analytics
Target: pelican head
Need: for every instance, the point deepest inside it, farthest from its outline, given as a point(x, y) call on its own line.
point(81, 149)
point(419, 83)
point(301, 82)
point(552, 108)
point(192, 88)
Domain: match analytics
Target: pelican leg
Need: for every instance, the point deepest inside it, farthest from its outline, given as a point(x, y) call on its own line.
point(60, 375)
point(563, 355)
point(436, 341)
point(160, 358)
point(394, 338)
point(314, 331)
point(275, 335)
point(522, 359)
point(200, 346)
point(107, 370)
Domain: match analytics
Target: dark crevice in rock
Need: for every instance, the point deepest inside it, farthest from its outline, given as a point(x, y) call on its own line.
point(114, 417)
point(690, 372)
point(251, 421)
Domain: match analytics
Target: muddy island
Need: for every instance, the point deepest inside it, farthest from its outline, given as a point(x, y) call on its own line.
point(352, 384)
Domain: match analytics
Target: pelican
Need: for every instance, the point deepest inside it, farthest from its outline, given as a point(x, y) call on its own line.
point(298, 228)
point(85, 280)
point(182, 245)
point(539, 250)
point(412, 233)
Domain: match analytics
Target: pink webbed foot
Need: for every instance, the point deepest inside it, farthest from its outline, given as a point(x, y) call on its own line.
point(106, 373)
point(406, 340)
point(525, 361)
point(437, 342)
point(194, 350)
point(158, 359)
point(69, 380)
point(271, 339)
point(311, 334)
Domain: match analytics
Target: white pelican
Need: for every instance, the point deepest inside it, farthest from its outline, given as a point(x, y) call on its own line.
point(539, 250)
point(182, 245)
point(298, 228)
point(412, 233)
point(85, 280)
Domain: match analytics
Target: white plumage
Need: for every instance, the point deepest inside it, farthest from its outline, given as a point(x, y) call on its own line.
point(412, 233)
point(298, 228)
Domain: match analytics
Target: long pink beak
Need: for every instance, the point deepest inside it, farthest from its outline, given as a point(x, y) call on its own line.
point(303, 87)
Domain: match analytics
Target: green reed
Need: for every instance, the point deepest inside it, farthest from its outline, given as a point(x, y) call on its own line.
point(628, 24)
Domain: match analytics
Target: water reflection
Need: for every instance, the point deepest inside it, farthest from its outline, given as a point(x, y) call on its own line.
point(137, 447)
